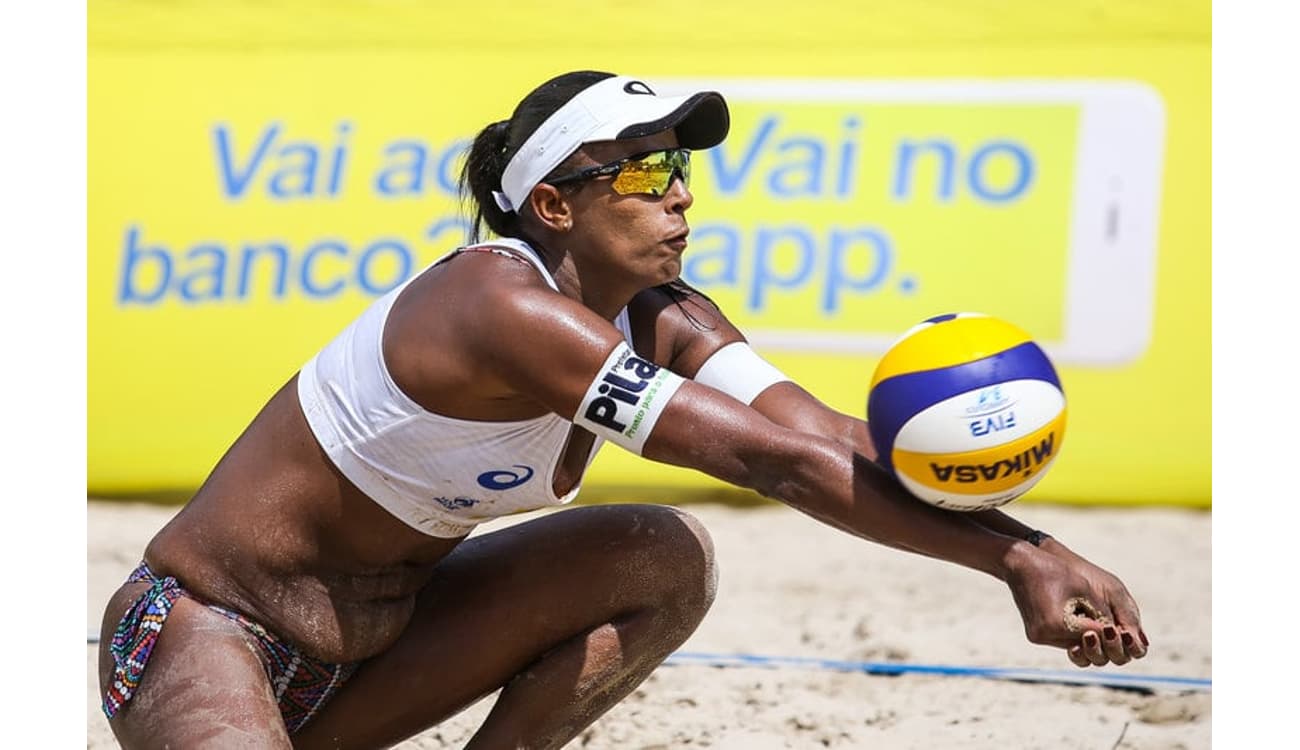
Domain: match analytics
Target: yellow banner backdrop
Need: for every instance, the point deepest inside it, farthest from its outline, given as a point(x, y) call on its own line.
point(258, 175)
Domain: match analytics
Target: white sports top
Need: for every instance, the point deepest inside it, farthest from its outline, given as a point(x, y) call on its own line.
point(440, 475)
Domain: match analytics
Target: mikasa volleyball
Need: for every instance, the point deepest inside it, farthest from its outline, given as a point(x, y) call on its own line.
point(966, 411)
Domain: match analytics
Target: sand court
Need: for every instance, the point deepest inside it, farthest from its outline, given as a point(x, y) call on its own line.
point(794, 592)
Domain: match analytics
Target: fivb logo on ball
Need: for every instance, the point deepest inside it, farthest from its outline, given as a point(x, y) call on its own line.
point(966, 411)
point(626, 398)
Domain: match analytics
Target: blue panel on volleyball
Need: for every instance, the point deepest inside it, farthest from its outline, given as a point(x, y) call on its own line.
point(895, 400)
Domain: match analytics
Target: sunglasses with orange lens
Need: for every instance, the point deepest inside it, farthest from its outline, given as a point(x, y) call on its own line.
point(649, 173)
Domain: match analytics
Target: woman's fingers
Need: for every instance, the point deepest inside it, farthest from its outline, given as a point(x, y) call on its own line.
point(1092, 649)
point(1113, 646)
point(1107, 645)
point(1135, 645)
point(1129, 623)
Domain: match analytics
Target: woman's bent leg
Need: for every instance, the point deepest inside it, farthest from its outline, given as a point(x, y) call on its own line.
point(569, 613)
point(204, 685)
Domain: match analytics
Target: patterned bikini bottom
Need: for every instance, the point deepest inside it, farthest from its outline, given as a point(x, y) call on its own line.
point(302, 684)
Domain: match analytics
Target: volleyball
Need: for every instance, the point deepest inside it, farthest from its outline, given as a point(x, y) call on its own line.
point(966, 411)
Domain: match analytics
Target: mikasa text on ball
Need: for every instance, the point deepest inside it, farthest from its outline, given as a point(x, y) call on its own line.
point(967, 411)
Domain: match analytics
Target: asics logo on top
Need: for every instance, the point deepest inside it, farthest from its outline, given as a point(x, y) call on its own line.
point(504, 479)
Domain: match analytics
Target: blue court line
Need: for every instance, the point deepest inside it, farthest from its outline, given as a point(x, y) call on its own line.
point(1062, 677)
point(1080, 677)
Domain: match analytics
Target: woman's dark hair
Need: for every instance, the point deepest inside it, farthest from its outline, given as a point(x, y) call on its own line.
point(494, 146)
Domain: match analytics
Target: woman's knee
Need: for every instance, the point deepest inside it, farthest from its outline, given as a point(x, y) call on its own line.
point(674, 557)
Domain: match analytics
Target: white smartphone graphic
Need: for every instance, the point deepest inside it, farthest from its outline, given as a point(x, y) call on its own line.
point(1074, 263)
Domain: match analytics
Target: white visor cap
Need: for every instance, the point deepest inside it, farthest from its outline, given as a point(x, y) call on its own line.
point(611, 109)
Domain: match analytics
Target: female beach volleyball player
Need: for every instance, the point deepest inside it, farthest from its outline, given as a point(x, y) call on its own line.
point(319, 590)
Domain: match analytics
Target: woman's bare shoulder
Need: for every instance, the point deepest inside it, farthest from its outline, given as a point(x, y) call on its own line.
point(679, 326)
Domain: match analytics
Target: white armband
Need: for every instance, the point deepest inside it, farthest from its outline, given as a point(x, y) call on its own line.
point(627, 398)
point(738, 371)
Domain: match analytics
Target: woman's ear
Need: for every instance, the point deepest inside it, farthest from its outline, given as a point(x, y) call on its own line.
point(551, 207)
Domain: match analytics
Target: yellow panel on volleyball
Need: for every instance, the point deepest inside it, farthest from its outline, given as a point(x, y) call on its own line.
point(985, 471)
point(930, 346)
